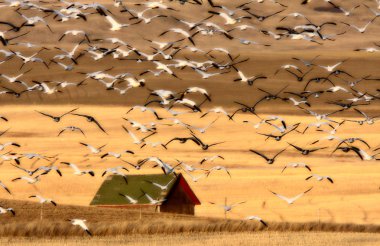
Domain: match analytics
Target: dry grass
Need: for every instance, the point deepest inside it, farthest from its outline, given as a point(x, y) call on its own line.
point(220, 239)
point(104, 222)
point(48, 228)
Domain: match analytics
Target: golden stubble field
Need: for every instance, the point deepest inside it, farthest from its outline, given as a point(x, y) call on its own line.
point(353, 198)
point(261, 238)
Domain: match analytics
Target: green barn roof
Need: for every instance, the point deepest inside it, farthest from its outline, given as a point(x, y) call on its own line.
point(108, 193)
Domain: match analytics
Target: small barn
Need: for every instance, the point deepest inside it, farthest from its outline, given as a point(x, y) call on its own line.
point(178, 197)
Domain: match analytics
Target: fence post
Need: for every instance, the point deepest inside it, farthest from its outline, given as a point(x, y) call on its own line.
point(41, 211)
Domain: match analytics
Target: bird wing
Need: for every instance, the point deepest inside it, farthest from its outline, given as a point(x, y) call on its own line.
point(45, 114)
point(23, 169)
point(283, 169)
point(282, 197)
point(82, 225)
point(100, 127)
point(357, 151)
point(330, 179)
point(69, 112)
point(80, 131)
point(148, 136)
point(361, 140)
point(296, 147)
point(361, 112)
point(315, 149)
point(64, 129)
point(364, 154)
point(309, 177)
point(279, 153)
point(262, 155)
point(308, 168)
point(6, 188)
point(300, 195)
point(112, 21)
point(133, 136)
point(238, 203)
point(88, 146)
point(74, 167)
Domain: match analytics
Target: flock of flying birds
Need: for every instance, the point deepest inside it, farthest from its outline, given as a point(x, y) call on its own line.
point(166, 60)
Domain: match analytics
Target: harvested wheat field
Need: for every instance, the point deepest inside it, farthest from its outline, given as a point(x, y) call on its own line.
point(355, 181)
point(269, 110)
point(262, 238)
point(140, 228)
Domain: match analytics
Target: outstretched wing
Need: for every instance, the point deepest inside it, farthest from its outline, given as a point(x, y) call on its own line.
point(45, 114)
point(257, 153)
point(100, 127)
point(69, 112)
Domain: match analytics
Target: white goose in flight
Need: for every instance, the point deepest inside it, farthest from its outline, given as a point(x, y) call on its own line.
point(204, 129)
point(183, 33)
point(253, 217)
point(218, 168)
point(291, 200)
point(116, 155)
point(165, 68)
point(137, 140)
point(166, 168)
point(296, 165)
point(4, 145)
point(75, 33)
point(5, 187)
point(117, 171)
point(31, 21)
point(248, 80)
point(81, 223)
point(320, 178)
point(153, 201)
point(211, 159)
point(195, 178)
point(145, 109)
point(130, 199)
point(331, 68)
point(46, 89)
point(71, 128)
point(7, 210)
point(189, 168)
point(43, 200)
point(30, 180)
point(116, 26)
point(15, 79)
point(142, 127)
point(162, 187)
point(360, 29)
point(217, 110)
point(93, 149)
point(155, 5)
point(228, 19)
point(228, 207)
point(77, 171)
